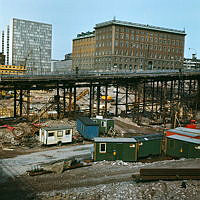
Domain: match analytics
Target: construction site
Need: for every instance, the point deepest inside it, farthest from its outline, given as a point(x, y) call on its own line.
point(138, 104)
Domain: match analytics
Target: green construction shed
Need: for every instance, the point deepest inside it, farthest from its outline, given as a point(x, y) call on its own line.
point(182, 147)
point(104, 124)
point(149, 145)
point(115, 149)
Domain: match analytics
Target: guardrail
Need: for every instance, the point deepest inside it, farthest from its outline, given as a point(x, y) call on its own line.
point(82, 74)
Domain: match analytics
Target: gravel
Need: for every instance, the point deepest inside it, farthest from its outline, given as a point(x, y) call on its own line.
point(130, 191)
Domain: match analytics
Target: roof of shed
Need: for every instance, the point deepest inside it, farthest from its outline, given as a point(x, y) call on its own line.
point(56, 128)
point(148, 137)
point(87, 121)
point(183, 132)
point(110, 139)
point(185, 139)
point(191, 130)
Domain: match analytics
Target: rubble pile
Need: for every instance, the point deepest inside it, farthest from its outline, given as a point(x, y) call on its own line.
point(26, 134)
point(130, 190)
point(22, 134)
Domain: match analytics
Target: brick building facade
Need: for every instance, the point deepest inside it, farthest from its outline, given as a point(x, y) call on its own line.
point(118, 45)
point(83, 51)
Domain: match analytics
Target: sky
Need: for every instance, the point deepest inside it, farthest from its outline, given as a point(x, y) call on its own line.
point(69, 18)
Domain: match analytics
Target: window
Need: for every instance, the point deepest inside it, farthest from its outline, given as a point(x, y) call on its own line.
point(103, 124)
point(67, 132)
point(121, 36)
point(60, 133)
point(116, 43)
point(102, 148)
point(51, 134)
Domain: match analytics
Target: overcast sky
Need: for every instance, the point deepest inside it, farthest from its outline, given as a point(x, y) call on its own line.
point(72, 17)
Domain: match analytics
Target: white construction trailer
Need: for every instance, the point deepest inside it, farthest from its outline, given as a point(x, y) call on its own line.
point(55, 135)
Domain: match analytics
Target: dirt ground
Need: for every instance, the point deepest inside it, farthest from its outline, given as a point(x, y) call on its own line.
point(102, 180)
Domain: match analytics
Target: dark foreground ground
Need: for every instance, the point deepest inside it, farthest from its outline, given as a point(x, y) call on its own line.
point(102, 180)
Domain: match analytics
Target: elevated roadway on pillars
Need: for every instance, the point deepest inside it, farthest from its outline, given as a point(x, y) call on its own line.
point(50, 81)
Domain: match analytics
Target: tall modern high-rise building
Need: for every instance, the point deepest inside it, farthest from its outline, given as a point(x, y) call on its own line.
point(29, 44)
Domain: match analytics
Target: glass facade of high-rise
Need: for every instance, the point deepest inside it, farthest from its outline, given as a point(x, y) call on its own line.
point(30, 45)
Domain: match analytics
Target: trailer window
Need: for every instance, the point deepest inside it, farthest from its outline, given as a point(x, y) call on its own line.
point(102, 148)
point(51, 134)
point(60, 133)
point(103, 124)
point(67, 132)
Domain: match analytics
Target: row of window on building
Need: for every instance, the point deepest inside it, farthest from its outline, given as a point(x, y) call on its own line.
point(132, 37)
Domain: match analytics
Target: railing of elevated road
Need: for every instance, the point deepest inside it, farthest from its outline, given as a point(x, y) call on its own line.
point(84, 74)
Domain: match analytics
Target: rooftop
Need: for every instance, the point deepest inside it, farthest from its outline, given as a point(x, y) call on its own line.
point(109, 139)
point(182, 132)
point(87, 121)
point(85, 35)
point(149, 137)
point(142, 26)
point(183, 138)
point(57, 128)
point(191, 130)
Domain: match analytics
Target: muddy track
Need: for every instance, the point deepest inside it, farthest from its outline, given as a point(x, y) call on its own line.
point(127, 127)
point(77, 178)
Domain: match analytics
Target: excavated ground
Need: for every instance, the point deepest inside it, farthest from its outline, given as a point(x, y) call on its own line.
point(102, 180)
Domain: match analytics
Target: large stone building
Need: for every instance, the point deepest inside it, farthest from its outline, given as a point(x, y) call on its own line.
point(118, 45)
point(83, 51)
point(29, 44)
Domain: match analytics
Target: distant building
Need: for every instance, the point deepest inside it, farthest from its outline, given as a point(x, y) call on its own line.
point(68, 56)
point(192, 63)
point(118, 45)
point(2, 59)
point(83, 51)
point(61, 66)
point(29, 44)
point(12, 69)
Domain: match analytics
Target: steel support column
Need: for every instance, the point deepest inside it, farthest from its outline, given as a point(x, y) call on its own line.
point(74, 98)
point(28, 103)
point(190, 87)
point(126, 99)
point(152, 96)
point(116, 100)
point(21, 102)
point(144, 96)
point(106, 99)
point(64, 100)
point(161, 97)
point(198, 96)
point(70, 100)
point(179, 87)
point(157, 95)
point(15, 103)
point(91, 100)
point(58, 102)
point(98, 98)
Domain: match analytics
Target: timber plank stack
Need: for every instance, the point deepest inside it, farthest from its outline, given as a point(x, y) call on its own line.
point(152, 174)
